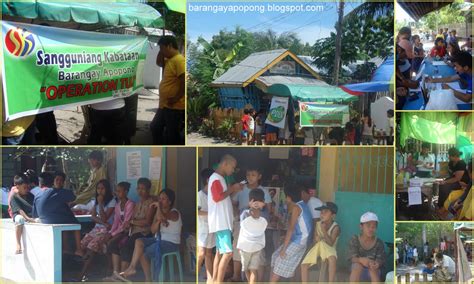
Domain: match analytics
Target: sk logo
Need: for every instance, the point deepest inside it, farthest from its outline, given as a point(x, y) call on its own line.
point(19, 42)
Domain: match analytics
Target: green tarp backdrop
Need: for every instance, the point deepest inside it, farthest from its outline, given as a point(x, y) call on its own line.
point(439, 128)
point(320, 115)
point(107, 13)
point(46, 68)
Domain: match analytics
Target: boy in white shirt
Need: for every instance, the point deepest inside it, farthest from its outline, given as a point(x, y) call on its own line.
point(220, 215)
point(241, 199)
point(206, 241)
point(252, 235)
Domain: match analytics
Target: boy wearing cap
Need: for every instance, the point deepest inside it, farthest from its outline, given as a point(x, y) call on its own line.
point(366, 251)
point(251, 241)
point(326, 234)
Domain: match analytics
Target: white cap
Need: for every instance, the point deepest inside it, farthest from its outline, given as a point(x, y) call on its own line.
point(368, 216)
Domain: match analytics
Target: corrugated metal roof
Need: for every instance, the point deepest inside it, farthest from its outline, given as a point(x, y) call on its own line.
point(248, 67)
point(280, 79)
point(418, 9)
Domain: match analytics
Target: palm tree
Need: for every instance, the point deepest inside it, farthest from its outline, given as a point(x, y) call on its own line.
point(337, 57)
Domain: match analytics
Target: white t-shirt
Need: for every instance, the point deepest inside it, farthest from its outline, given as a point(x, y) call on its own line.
point(428, 159)
point(449, 263)
point(111, 204)
point(390, 125)
point(109, 105)
point(314, 202)
point(368, 129)
point(251, 123)
point(415, 252)
point(172, 232)
point(220, 215)
point(252, 233)
point(203, 224)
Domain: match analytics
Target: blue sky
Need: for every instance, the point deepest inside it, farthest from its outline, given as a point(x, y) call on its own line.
point(309, 25)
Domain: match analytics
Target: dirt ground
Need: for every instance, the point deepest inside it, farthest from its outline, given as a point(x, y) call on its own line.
point(71, 121)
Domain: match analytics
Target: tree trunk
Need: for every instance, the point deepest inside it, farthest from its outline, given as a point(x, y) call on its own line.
point(337, 57)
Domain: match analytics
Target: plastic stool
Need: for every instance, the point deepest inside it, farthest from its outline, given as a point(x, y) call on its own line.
point(171, 266)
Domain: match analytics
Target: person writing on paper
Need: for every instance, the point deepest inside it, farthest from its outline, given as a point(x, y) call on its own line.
point(425, 161)
point(463, 66)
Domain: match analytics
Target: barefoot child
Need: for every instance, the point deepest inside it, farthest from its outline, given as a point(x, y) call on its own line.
point(206, 241)
point(325, 238)
point(220, 215)
point(21, 205)
point(366, 251)
point(251, 242)
point(287, 257)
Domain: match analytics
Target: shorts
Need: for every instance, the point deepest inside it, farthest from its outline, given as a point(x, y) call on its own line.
point(285, 267)
point(251, 260)
point(270, 137)
point(244, 133)
point(235, 237)
point(224, 241)
point(206, 240)
point(19, 220)
point(365, 275)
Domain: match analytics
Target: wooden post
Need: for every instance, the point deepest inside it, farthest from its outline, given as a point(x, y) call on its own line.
point(417, 277)
point(407, 277)
point(425, 277)
point(399, 278)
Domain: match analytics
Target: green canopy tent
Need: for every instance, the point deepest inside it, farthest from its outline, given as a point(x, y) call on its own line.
point(439, 128)
point(176, 5)
point(107, 13)
point(311, 93)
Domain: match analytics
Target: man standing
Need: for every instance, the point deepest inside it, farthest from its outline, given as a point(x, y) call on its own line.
point(168, 122)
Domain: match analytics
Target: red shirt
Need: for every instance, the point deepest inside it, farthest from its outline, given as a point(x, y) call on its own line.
point(438, 51)
point(245, 122)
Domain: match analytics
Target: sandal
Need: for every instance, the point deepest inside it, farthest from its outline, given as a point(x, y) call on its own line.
point(120, 277)
point(18, 251)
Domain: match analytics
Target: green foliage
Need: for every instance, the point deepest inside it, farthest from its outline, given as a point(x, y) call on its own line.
point(413, 232)
point(224, 129)
point(71, 160)
point(367, 32)
point(209, 60)
point(174, 21)
point(449, 14)
point(207, 127)
point(197, 109)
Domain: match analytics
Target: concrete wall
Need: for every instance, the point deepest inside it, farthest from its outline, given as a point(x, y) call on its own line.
point(41, 259)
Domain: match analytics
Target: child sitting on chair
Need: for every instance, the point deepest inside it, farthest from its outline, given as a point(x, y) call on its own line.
point(325, 239)
point(366, 251)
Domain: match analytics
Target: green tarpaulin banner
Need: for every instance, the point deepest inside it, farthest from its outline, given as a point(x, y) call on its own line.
point(439, 128)
point(46, 68)
point(320, 115)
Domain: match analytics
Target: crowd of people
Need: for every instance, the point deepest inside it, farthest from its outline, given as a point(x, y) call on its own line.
point(436, 261)
point(114, 122)
point(238, 239)
point(130, 234)
point(357, 131)
point(410, 53)
point(454, 190)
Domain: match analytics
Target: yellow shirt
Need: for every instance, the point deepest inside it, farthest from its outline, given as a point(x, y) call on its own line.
point(170, 84)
